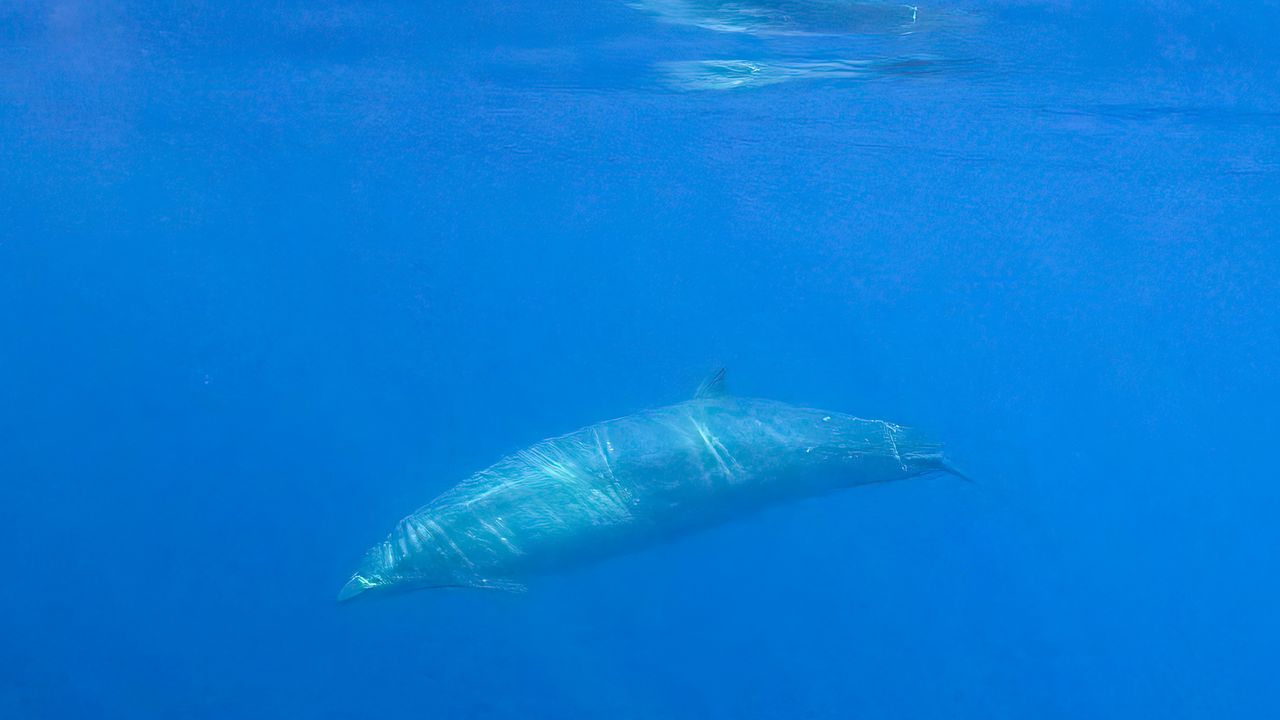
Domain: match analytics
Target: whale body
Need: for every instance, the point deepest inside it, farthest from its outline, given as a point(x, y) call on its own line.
point(786, 17)
point(619, 485)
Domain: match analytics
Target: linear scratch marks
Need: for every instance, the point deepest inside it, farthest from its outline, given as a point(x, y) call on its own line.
point(731, 460)
point(597, 505)
point(439, 532)
point(890, 431)
point(713, 446)
point(622, 494)
point(424, 532)
point(412, 534)
point(500, 535)
point(604, 456)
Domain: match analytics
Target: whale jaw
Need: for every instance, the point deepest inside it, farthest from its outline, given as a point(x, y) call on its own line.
point(354, 587)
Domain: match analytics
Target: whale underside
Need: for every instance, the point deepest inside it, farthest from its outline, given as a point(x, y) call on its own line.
point(625, 483)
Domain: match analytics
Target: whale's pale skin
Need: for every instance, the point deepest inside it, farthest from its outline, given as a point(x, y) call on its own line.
point(786, 17)
point(618, 485)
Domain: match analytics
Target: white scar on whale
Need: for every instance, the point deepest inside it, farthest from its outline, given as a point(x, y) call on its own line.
point(622, 484)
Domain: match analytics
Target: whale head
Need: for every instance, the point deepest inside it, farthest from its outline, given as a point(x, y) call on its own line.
point(387, 566)
point(356, 586)
point(409, 559)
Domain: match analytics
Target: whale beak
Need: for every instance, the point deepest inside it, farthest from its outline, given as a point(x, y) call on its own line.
point(355, 586)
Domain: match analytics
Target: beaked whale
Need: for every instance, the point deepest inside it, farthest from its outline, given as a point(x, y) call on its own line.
point(624, 483)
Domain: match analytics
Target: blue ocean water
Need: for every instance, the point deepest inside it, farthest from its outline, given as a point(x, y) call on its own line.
point(274, 274)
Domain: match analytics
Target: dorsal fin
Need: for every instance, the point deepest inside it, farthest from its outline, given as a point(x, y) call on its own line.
point(712, 387)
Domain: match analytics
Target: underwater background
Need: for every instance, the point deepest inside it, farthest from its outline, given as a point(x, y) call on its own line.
point(274, 274)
